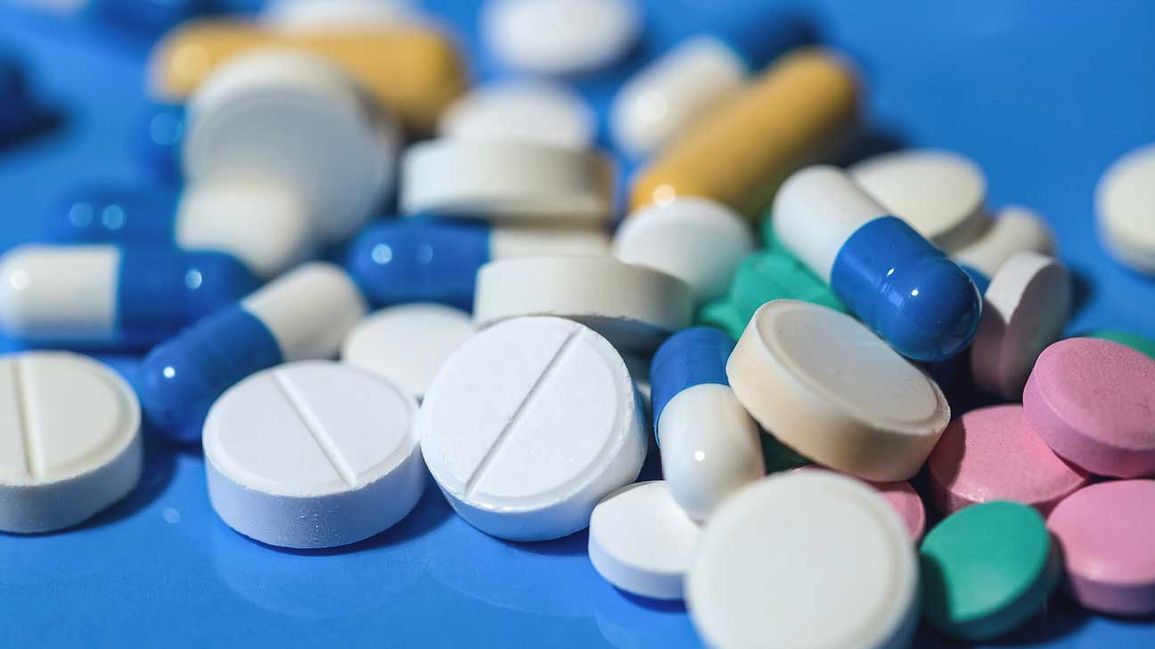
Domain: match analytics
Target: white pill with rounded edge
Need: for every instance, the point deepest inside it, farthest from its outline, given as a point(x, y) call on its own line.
point(313, 454)
point(805, 559)
point(826, 386)
point(1015, 229)
point(524, 111)
point(1025, 309)
point(528, 425)
point(641, 541)
point(1123, 202)
point(696, 240)
point(408, 343)
point(633, 306)
point(305, 15)
point(560, 37)
point(70, 443)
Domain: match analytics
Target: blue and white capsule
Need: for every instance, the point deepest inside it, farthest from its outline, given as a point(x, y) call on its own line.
point(303, 315)
point(709, 444)
point(111, 296)
point(423, 259)
point(901, 286)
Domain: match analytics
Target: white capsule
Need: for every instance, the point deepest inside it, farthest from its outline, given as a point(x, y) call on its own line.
point(60, 293)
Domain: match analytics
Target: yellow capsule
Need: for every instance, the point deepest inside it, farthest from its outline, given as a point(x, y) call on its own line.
point(414, 71)
point(740, 153)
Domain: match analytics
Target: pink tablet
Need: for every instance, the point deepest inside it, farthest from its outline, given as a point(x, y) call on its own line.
point(1093, 402)
point(1107, 536)
point(901, 496)
point(994, 454)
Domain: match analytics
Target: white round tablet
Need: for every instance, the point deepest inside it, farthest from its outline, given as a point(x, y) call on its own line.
point(633, 306)
point(69, 440)
point(805, 559)
point(641, 541)
point(529, 425)
point(523, 111)
point(1015, 229)
point(313, 454)
point(1025, 309)
point(832, 390)
point(1124, 200)
point(296, 118)
point(940, 194)
point(694, 239)
point(408, 343)
point(305, 15)
point(506, 180)
point(560, 37)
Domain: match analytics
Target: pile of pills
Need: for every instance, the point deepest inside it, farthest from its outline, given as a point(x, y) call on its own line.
point(521, 321)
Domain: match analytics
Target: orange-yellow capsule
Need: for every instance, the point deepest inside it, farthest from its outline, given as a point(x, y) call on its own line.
point(414, 71)
point(739, 154)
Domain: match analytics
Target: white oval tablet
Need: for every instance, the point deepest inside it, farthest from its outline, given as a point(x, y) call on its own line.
point(560, 37)
point(940, 194)
point(1123, 200)
point(1015, 229)
point(313, 454)
point(69, 440)
point(694, 239)
point(506, 180)
point(1025, 309)
point(407, 344)
point(306, 15)
point(633, 306)
point(826, 386)
point(641, 541)
point(528, 425)
point(526, 111)
point(805, 559)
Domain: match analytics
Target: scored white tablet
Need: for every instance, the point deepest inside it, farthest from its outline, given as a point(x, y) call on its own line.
point(313, 454)
point(528, 425)
point(1123, 200)
point(828, 387)
point(69, 440)
point(522, 111)
point(805, 559)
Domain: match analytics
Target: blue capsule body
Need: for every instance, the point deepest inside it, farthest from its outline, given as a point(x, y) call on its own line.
point(113, 213)
point(691, 357)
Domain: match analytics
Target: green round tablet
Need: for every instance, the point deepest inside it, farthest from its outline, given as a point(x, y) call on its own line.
point(1134, 341)
point(987, 569)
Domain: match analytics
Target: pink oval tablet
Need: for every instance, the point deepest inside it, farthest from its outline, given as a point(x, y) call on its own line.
point(1093, 402)
point(1107, 536)
point(901, 496)
point(994, 454)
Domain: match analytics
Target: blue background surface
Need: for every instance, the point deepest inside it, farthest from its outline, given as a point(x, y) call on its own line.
point(1043, 94)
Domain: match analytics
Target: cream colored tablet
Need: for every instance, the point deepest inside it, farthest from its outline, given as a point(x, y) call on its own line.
point(522, 111)
point(829, 388)
point(1015, 229)
point(1125, 203)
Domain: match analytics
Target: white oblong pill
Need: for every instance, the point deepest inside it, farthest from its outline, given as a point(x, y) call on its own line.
point(524, 111)
point(826, 386)
point(506, 180)
point(560, 37)
point(633, 306)
point(313, 454)
point(805, 559)
point(69, 440)
point(641, 541)
point(407, 344)
point(1025, 309)
point(1015, 229)
point(529, 425)
point(1123, 200)
point(940, 194)
point(60, 292)
point(696, 240)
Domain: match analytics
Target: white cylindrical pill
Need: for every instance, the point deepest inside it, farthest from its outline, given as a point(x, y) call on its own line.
point(524, 111)
point(1015, 229)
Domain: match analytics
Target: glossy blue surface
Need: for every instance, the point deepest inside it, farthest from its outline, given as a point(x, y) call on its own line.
point(112, 212)
point(1044, 94)
point(161, 137)
point(690, 357)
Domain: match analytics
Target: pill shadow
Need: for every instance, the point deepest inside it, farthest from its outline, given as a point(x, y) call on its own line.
point(43, 123)
point(1081, 290)
point(576, 544)
point(159, 466)
point(658, 605)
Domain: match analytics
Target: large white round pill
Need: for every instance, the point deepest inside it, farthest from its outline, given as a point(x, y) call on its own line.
point(407, 344)
point(529, 425)
point(525, 111)
point(940, 194)
point(69, 440)
point(1015, 229)
point(1125, 202)
point(805, 559)
point(696, 240)
point(828, 387)
point(641, 541)
point(313, 454)
point(560, 37)
point(1025, 309)
point(633, 306)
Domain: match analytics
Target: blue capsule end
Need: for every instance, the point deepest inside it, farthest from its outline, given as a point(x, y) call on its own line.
point(690, 357)
point(112, 214)
point(906, 290)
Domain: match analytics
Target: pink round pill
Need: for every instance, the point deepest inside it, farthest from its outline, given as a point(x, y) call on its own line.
point(901, 496)
point(1107, 536)
point(1093, 402)
point(994, 454)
